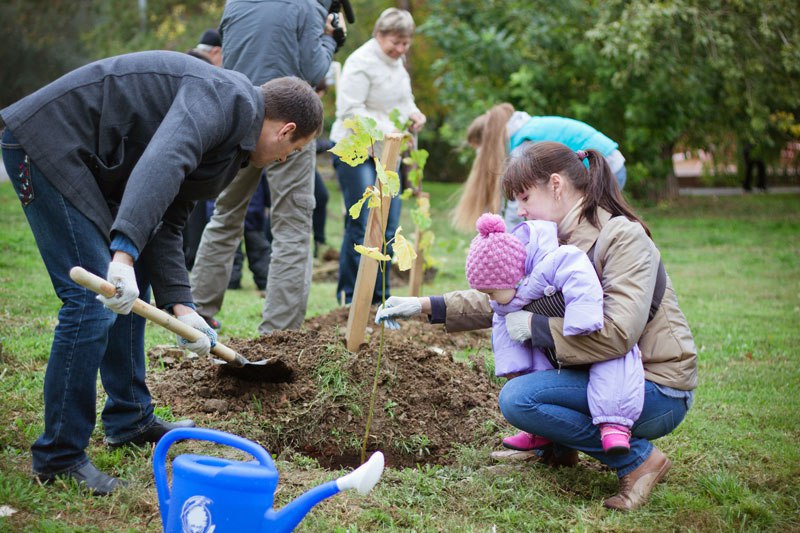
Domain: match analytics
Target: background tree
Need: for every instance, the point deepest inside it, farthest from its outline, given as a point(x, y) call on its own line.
point(651, 75)
point(654, 76)
point(33, 52)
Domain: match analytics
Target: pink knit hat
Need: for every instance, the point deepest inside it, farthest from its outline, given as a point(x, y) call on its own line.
point(496, 258)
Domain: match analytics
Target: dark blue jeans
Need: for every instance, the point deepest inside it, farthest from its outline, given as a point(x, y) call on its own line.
point(88, 337)
point(320, 214)
point(353, 181)
point(553, 404)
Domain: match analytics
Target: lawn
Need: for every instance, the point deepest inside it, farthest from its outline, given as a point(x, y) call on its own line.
point(735, 264)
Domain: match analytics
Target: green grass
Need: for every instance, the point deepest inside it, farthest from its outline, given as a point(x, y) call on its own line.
point(735, 264)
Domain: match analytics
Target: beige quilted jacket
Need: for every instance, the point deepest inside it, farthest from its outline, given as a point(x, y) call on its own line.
point(626, 260)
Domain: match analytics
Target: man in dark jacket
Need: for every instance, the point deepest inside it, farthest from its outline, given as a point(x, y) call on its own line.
point(108, 161)
point(264, 40)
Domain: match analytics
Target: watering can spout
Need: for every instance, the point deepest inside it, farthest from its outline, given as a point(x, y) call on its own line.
point(362, 479)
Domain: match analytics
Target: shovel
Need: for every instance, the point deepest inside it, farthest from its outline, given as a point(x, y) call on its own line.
point(97, 284)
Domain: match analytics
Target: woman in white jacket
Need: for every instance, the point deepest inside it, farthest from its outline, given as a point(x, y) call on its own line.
point(374, 81)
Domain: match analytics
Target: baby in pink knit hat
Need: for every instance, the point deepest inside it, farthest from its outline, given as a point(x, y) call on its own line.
point(517, 268)
point(496, 259)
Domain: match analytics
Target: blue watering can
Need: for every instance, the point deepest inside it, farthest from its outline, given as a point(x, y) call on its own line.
point(219, 495)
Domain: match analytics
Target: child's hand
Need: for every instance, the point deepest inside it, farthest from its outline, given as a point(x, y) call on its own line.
point(398, 307)
point(518, 325)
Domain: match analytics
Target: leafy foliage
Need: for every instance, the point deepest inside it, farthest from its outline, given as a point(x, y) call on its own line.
point(354, 150)
point(394, 116)
point(355, 147)
point(651, 75)
point(416, 160)
point(34, 54)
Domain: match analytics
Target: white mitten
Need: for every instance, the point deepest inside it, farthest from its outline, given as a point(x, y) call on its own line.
point(518, 325)
point(397, 307)
point(123, 277)
point(208, 340)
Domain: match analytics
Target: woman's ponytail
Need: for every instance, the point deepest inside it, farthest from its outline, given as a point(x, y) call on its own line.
point(603, 191)
point(597, 184)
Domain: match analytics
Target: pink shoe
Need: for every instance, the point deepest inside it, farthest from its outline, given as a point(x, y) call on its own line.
point(615, 439)
point(524, 442)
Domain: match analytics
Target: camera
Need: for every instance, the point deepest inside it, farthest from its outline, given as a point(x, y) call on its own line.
point(338, 32)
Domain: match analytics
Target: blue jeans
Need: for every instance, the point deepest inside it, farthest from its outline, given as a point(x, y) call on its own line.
point(553, 404)
point(622, 177)
point(353, 181)
point(88, 337)
point(320, 215)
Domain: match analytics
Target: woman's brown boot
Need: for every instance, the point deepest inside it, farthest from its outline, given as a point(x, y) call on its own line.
point(635, 488)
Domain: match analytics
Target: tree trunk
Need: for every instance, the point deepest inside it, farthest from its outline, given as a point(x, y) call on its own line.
point(672, 179)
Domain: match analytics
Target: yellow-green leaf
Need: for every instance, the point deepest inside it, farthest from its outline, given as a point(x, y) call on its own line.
point(355, 209)
point(364, 126)
point(422, 214)
point(426, 240)
point(420, 157)
point(375, 198)
point(371, 251)
point(403, 250)
point(362, 134)
point(394, 116)
point(389, 178)
point(371, 194)
point(352, 149)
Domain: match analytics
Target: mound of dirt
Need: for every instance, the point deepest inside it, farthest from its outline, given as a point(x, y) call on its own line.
point(313, 397)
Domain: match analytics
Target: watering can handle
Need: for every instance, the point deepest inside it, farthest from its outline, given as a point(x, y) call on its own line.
point(212, 435)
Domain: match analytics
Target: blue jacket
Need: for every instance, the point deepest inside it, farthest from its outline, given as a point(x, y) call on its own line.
point(268, 39)
point(575, 134)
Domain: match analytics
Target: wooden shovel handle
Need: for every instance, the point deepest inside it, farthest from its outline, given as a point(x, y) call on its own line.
point(97, 284)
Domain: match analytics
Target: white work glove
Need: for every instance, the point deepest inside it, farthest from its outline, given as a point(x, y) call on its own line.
point(518, 325)
point(123, 278)
point(397, 307)
point(208, 340)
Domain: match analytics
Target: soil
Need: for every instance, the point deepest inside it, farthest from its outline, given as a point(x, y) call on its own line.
point(313, 396)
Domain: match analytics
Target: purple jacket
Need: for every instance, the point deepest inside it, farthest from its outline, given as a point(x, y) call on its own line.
point(616, 387)
point(549, 268)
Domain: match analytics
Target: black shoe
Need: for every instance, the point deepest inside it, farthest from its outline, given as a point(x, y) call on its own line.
point(213, 323)
point(89, 477)
point(153, 434)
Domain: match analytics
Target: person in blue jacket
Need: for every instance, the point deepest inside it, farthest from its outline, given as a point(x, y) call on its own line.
point(107, 162)
point(500, 133)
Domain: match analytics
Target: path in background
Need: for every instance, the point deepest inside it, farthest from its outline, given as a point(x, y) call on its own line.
point(683, 191)
point(689, 170)
point(734, 191)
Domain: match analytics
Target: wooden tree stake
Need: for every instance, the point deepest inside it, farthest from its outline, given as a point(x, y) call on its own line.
point(367, 267)
point(418, 268)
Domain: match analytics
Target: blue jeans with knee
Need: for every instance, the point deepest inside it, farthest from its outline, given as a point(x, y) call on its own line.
point(554, 404)
point(88, 337)
point(353, 181)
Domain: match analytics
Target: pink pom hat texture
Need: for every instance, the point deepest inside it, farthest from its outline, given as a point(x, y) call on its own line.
point(496, 258)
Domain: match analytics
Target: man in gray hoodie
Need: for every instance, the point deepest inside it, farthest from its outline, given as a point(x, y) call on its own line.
point(265, 40)
point(107, 162)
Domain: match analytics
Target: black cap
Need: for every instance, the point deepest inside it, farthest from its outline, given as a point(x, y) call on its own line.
point(211, 38)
